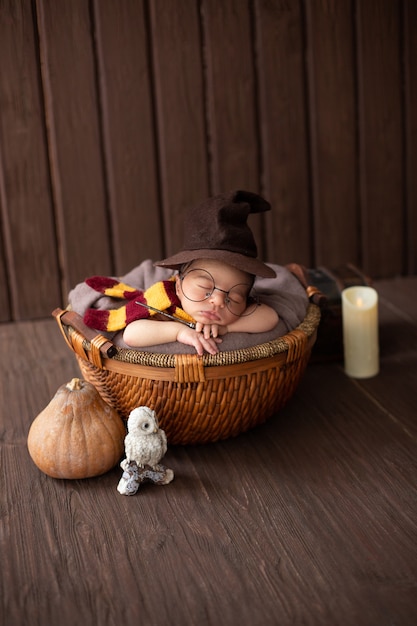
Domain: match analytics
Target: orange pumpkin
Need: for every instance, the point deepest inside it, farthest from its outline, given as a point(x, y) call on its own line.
point(78, 435)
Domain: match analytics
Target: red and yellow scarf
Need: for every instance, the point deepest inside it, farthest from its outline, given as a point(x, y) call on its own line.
point(160, 295)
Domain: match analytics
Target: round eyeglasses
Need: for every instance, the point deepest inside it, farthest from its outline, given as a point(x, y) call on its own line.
point(198, 285)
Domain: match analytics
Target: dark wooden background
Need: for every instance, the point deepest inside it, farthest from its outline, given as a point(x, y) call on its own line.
point(116, 115)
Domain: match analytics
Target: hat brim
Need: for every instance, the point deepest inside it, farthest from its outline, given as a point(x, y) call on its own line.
point(240, 261)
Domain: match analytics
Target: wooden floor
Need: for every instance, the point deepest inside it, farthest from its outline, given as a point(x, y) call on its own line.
point(308, 519)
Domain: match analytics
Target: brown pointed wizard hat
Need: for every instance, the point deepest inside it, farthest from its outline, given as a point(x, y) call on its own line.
point(217, 229)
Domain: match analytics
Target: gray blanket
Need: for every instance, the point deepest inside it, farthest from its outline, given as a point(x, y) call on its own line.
point(284, 293)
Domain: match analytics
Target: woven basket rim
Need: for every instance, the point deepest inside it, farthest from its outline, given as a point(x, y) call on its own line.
point(230, 357)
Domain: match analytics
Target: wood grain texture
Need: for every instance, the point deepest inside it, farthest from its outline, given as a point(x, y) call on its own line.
point(381, 137)
point(307, 519)
point(232, 101)
point(409, 22)
point(128, 129)
point(231, 95)
point(116, 117)
point(72, 117)
point(283, 127)
point(27, 231)
point(5, 310)
point(179, 101)
point(333, 137)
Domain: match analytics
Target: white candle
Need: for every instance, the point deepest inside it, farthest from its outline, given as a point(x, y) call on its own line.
point(360, 331)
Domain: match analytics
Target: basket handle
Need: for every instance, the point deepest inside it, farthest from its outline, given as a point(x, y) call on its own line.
point(314, 294)
point(71, 318)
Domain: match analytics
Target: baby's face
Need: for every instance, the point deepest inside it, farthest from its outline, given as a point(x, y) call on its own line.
point(213, 292)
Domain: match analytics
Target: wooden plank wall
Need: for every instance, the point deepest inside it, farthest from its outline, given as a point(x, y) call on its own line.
point(116, 115)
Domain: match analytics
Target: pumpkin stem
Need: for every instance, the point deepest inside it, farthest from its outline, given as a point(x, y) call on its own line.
point(75, 384)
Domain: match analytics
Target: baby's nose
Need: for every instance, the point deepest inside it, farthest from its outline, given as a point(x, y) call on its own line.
point(218, 297)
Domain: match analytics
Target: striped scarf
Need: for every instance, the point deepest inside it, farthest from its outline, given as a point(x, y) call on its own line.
point(160, 295)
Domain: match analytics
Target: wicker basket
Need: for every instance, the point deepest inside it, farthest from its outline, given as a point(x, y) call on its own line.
point(197, 399)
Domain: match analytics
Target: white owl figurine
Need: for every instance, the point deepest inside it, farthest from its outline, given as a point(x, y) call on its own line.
point(145, 442)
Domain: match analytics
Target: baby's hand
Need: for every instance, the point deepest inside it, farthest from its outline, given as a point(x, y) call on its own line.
point(196, 338)
point(210, 330)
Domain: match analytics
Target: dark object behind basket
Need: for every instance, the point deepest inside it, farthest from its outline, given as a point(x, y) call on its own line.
point(331, 282)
